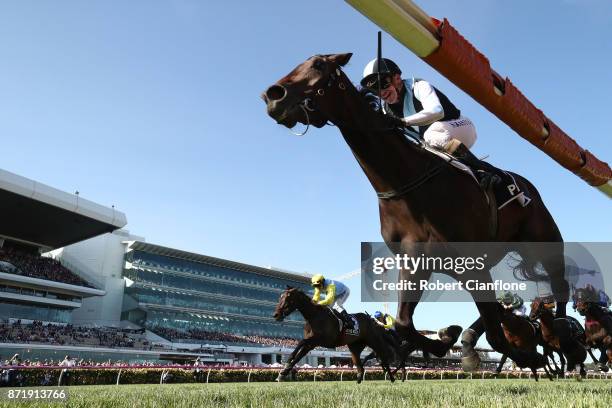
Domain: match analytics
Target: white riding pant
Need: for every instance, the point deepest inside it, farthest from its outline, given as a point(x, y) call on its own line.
point(438, 134)
point(340, 301)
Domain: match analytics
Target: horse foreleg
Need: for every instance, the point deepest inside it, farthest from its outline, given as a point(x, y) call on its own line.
point(563, 362)
point(535, 373)
point(404, 323)
point(300, 351)
point(547, 373)
point(501, 363)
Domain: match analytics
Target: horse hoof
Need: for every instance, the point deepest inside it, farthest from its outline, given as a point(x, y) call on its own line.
point(450, 334)
point(281, 378)
point(604, 368)
point(471, 362)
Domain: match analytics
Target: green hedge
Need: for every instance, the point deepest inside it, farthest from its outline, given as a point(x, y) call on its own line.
point(34, 377)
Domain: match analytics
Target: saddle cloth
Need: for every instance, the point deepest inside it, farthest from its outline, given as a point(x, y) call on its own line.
point(343, 330)
point(505, 191)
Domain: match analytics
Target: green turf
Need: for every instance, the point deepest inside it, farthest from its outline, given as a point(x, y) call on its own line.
point(377, 394)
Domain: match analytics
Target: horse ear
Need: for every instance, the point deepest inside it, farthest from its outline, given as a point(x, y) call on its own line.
point(340, 59)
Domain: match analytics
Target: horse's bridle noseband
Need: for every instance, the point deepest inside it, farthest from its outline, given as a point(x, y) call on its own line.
point(307, 104)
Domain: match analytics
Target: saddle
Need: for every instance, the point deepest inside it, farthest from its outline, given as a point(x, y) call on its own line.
point(341, 324)
point(496, 182)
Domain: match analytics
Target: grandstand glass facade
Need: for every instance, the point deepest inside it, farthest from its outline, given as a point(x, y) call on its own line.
point(177, 293)
point(12, 310)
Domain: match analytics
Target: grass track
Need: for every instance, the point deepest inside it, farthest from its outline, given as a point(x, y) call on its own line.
point(378, 394)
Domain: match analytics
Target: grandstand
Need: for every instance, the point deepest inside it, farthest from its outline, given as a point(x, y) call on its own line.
point(73, 282)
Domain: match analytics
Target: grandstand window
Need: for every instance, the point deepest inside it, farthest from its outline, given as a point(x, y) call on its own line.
point(31, 312)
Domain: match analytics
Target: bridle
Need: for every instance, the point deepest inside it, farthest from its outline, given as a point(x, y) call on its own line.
point(284, 311)
point(308, 105)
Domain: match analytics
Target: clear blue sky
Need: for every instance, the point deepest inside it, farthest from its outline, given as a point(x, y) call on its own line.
point(153, 106)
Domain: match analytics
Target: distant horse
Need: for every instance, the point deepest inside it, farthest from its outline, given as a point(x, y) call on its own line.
point(564, 336)
point(586, 301)
point(402, 352)
point(322, 328)
point(421, 198)
point(523, 334)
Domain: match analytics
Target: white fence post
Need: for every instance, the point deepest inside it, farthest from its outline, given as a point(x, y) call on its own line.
point(341, 373)
point(161, 377)
point(207, 375)
point(118, 376)
point(314, 376)
point(249, 376)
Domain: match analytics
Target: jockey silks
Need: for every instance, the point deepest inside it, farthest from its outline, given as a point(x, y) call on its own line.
point(409, 104)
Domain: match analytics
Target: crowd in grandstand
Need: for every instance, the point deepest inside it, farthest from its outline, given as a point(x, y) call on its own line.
point(56, 334)
point(59, 334)
point(204, 335)
point(36, 266)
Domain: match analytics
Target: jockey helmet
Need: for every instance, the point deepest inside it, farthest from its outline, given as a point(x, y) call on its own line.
point(317, 280)
point(371, 71)
point(517, 302)
point(507, 299)
point(378, 314)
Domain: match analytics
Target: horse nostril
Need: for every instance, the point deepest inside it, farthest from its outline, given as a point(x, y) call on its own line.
point(276, 93)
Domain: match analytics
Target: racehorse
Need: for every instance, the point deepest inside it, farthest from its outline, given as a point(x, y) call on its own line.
point(421, 197)
point(564, 336)
point(322, 328)
point(402, 352)
point(586, 301)
point(523, 334)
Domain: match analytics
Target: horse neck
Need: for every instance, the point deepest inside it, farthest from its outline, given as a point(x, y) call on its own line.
point(306, 307)
point(511, 322)
point(546, 320)
point(386, 157)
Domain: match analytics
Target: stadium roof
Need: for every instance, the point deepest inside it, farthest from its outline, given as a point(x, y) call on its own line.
point(190, 256)
point(36, 214)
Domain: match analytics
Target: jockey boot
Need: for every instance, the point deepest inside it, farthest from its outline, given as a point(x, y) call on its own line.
point(484, 171)
point(348, 322)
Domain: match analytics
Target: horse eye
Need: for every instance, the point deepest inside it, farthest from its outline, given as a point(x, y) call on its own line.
point(318, 65)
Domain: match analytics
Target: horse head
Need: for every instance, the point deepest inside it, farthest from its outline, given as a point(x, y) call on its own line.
point(540, 305)
point(303, 95)
point(287, 303)
point(584, 298)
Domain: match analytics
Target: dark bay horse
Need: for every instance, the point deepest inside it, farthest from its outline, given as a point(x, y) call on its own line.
point(322, 328)
point(524, 335)
point(597, 319)
point(565, 336)
point(421, 198)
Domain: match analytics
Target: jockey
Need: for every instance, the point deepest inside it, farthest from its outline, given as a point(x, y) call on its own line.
point(512, 301)
point(604, 299)
point(384, 319)
point(388, 322)
point(336, 294)
point(425, 109)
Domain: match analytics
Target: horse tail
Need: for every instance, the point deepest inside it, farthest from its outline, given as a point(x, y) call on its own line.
point(526, 270)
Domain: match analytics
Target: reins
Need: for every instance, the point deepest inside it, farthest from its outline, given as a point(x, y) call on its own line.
point(306, 106)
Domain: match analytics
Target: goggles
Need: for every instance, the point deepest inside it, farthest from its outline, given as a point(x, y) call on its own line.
point(371, 83)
